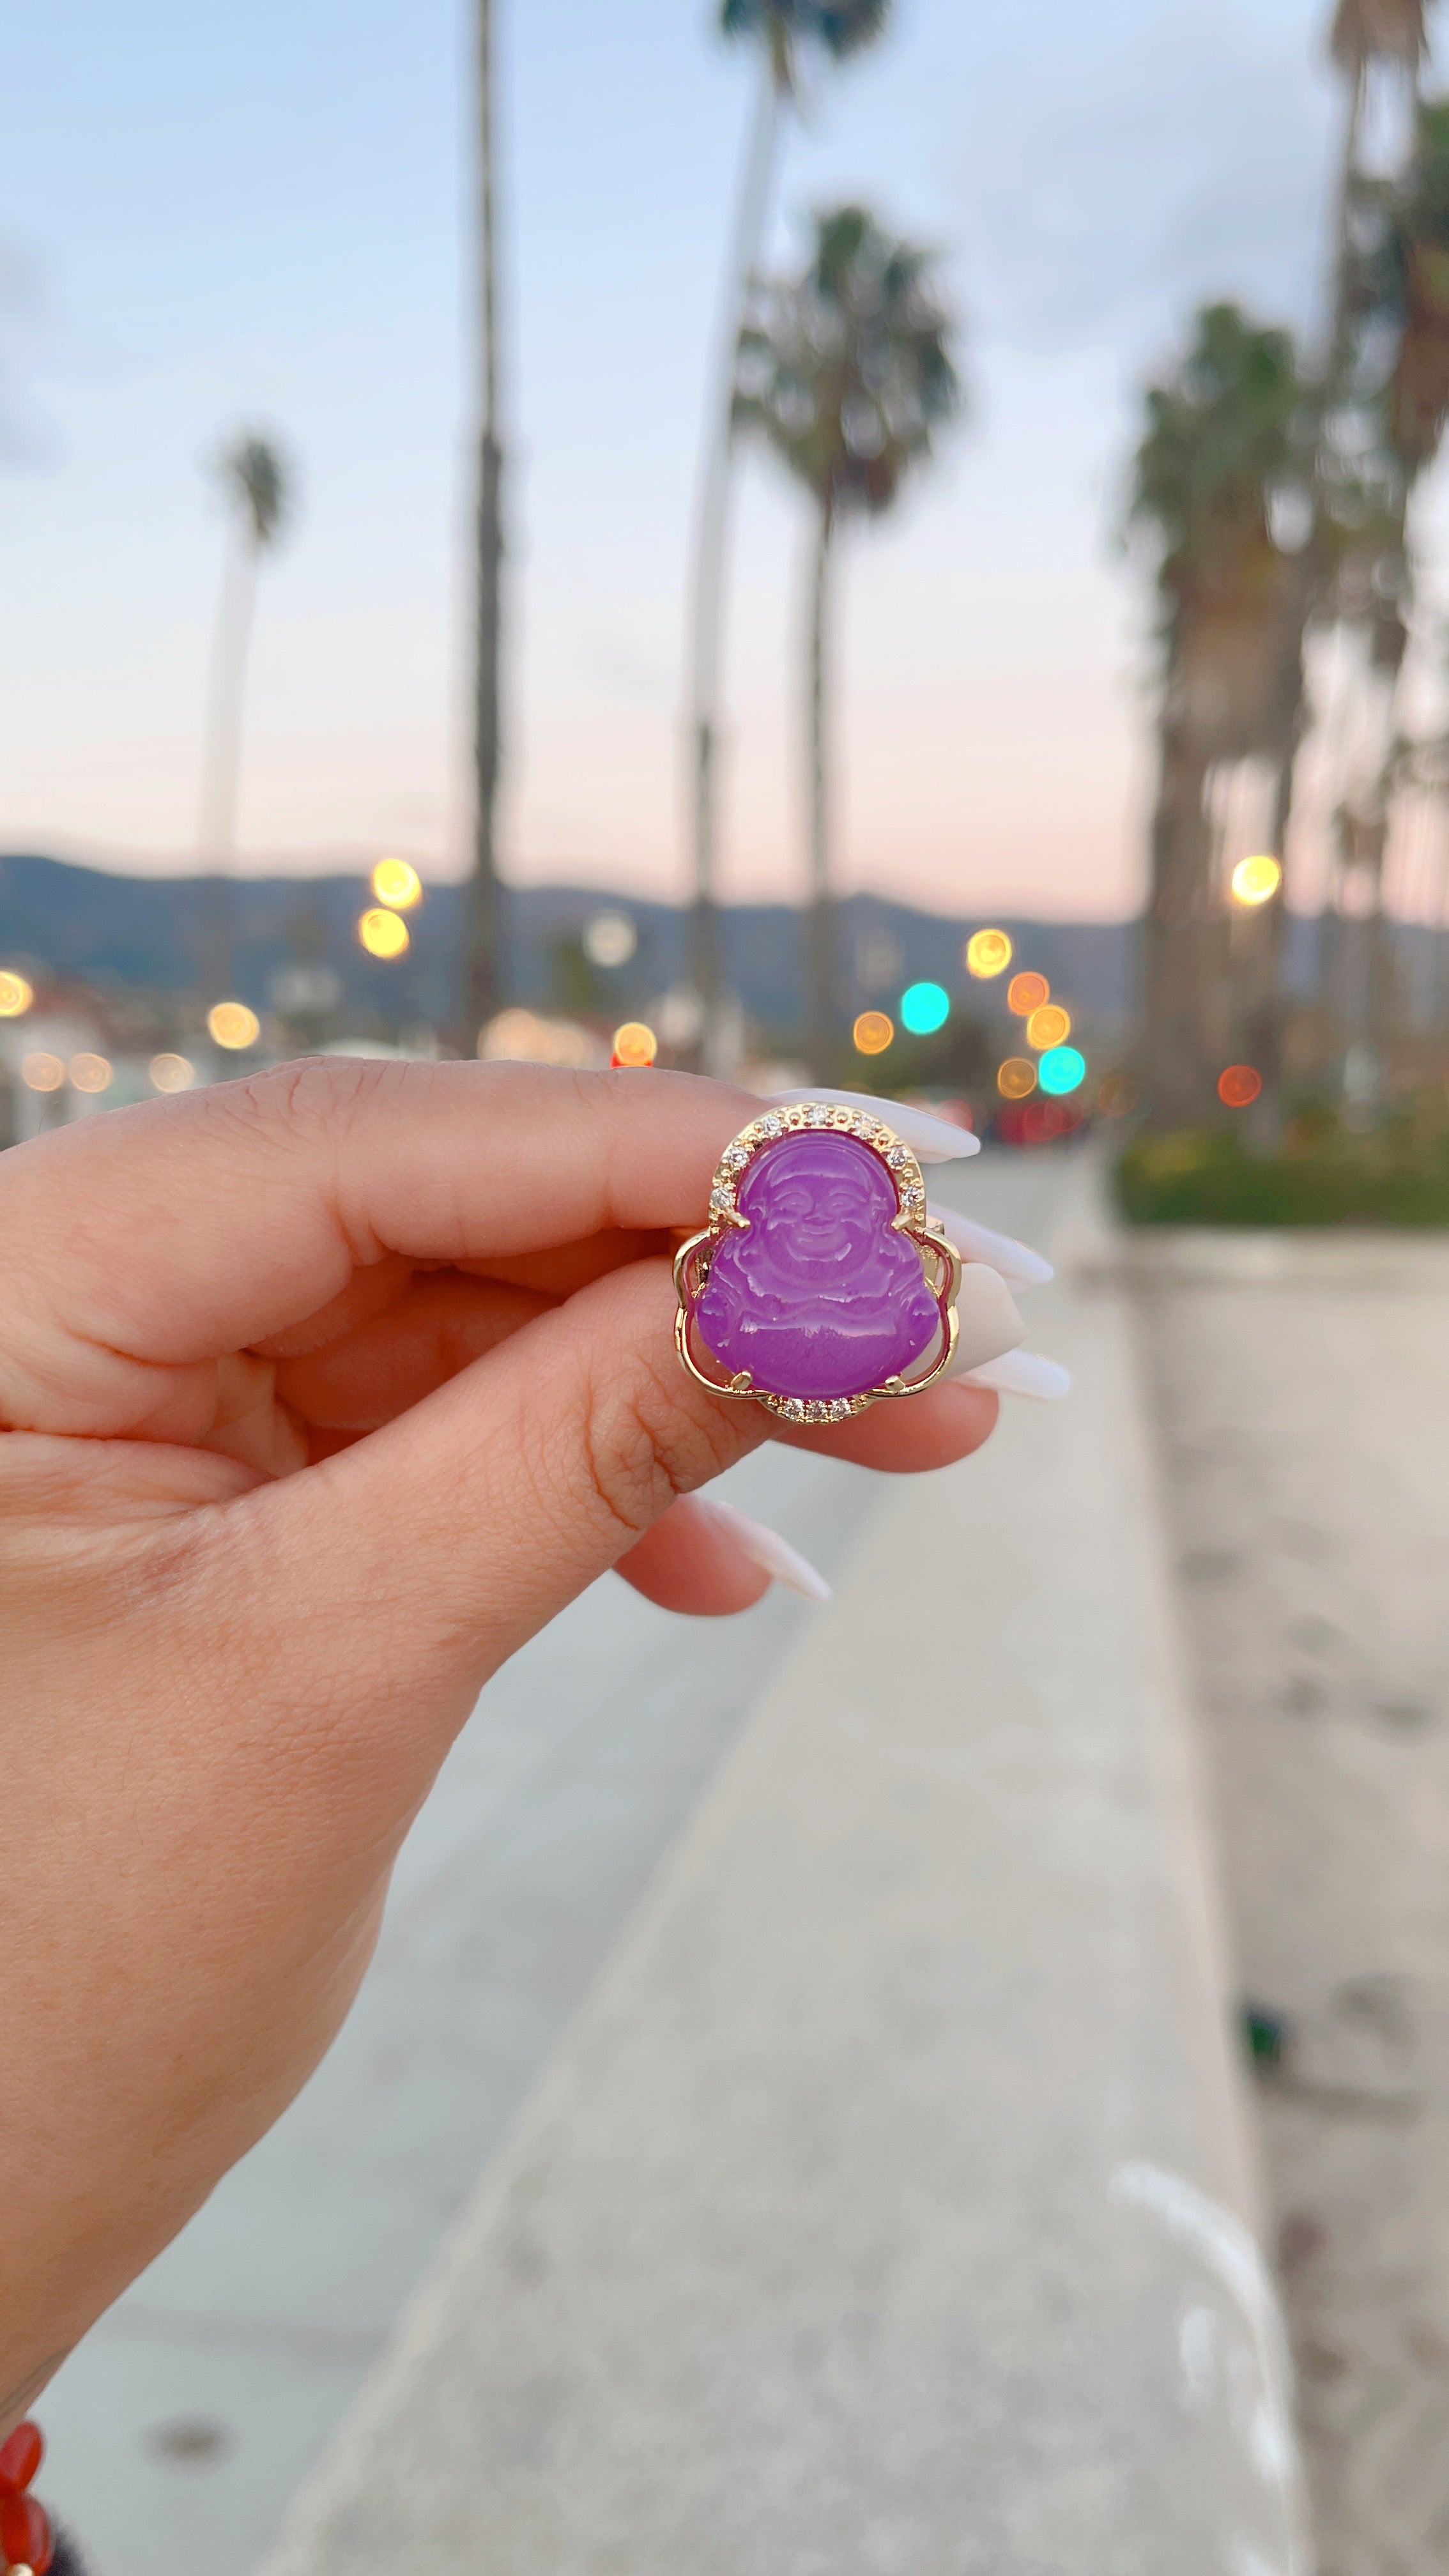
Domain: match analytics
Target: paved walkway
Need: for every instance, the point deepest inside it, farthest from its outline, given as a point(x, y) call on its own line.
point(188, 2420)
point(1302, 1390)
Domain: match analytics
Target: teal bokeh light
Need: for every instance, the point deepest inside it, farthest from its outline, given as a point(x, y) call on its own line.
point(925, 1008)
point(1061, 1069)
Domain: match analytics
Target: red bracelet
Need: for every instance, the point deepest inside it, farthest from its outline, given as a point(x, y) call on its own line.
point(27, 2543)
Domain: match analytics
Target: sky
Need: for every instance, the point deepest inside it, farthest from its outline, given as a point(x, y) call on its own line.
point(214, 219)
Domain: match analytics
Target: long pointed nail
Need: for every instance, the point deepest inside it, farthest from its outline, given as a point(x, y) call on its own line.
point(1000, 1252)
point(935, 1140)
point(987, 1321)
point(1022, 1373)
point(766, 1549)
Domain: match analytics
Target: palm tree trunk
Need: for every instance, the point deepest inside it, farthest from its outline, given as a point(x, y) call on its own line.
point(483, 963)
point(1178, 935)
point(711, 539)
point(820, 1019)
point(221, 760)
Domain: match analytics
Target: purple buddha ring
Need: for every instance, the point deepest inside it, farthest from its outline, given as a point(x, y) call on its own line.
point(818, 1284)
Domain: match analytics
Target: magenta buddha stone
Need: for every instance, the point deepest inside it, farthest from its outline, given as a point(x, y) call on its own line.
point(821, 1297)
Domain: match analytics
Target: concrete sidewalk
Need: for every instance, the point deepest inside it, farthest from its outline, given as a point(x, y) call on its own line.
point(1301, 1384)
point(887, 2207)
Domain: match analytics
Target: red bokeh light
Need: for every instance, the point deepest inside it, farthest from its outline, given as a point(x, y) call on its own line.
point(1036, 1122)
point(1238, 1084)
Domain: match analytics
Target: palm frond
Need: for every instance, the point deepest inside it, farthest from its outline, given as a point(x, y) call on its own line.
point(257, 478)
point(840, 27)
point(846, 368)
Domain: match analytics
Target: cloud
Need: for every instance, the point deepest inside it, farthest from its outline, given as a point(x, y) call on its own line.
point(1190, 158)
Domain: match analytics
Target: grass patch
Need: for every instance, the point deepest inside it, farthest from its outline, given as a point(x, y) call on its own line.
point(1326, 1174)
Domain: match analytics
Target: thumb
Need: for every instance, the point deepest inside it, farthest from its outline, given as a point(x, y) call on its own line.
point(428, 1553)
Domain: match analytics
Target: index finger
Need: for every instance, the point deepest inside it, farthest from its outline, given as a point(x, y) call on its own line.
point(167, 1234)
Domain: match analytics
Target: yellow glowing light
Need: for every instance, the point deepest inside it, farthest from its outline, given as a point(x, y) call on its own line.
point(988, 952)
point(873, 1033)
point(42, 1072)
point(383, 934)
point(1026, 993)
point(233, 1025)
point(1016, 1078)
point(16, 996)
point(1048, 1026)
point(635, 1043)
point(89, 1073)
point(172, 1073)
point(395, 883)
point(1256, 880)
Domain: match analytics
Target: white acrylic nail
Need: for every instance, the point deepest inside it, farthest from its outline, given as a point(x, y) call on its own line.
point(766, 1549)
point(1000, 1252)
point(934, 1140)
point(987, 1321)
point(1022, 1373)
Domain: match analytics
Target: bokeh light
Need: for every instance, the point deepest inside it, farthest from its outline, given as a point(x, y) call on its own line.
point(1016, 1078)
point(524, 1037)
point(16, 995)
point(1256, 880)
point(925, 1008)
point(988, 952)
point(232, 1025)
point(1117, 1096)
point(383, 934)
point(1062, 1069)
point(635, 1044)
point(1026, 993)
point(89, 1072)
point(1239, 1085)
point(397, 884)
point(42, 1072)
point(172, 1073)
point(873, 1033)
point(610, 939)
point(1048, 1026)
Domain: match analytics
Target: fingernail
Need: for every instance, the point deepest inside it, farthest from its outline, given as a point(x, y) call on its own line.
point(987, 1321)
point(936, 1140)
point(1022, 1373)
point(766, 1549)
point(1000, 1252)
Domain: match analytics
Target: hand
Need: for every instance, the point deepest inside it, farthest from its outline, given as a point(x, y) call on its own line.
point(322, 1392)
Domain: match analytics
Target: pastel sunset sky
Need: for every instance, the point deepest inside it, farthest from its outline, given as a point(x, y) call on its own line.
point(217, 218)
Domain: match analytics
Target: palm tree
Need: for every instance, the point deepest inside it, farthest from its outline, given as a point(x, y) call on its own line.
point(1403, 291)
point(781, 28)
point(1356, 569)
point(1222, 446)
point(846, 370)
point(256, 482)
point(482, 975)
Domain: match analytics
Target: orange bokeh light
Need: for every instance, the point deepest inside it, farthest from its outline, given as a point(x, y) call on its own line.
point(635, 1044)
point(1239, 1085)
point(1048, 1027)
point(1016, 1078)
point(873, 1033)
point(1026, 993)
point(1117, 1096)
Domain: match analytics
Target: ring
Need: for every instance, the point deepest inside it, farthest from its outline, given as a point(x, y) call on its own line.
point(819, 1282)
